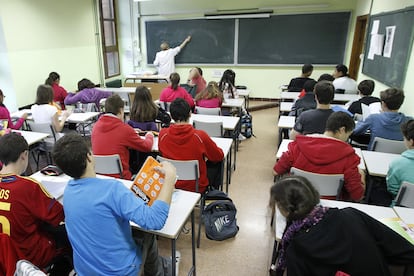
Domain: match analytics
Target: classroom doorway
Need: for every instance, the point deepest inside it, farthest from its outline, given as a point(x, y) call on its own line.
point(358, 45)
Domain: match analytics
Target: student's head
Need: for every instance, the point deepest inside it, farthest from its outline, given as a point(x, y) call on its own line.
point(295, 197)
point(326, 77)
point(340, 125)
point(199, 70)
point(309, 85)
point(211, 91)
point(71, 153)
point(407, 129)
point(164, 46)
point(324, 92)
point(180, 110)
point(393, 98)
point(13, 147)
point(1, 98)
point(44, 94)
point(228, 77)
point(340, 71)
point(114, 105)
point(143, 108)
point(366, 87)
point(85, 83)
point(53, 78)
point(307, 70)
point(174, 80)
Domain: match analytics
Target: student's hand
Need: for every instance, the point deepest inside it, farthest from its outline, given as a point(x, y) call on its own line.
point(362, 173)
point(25, 115)
point(169, 171)
point(188, 38)
point(148, 134)
point(66, 114)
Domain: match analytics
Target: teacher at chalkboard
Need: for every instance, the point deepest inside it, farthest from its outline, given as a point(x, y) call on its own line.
point(165, 59)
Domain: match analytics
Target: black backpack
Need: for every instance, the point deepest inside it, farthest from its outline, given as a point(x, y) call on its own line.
point(220, 216)
point(246, 127)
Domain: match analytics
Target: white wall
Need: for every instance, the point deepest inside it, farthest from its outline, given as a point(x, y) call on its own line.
point(48, 35)
point(379, 6)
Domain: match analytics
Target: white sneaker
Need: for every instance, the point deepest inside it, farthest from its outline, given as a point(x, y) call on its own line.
point(241, 137)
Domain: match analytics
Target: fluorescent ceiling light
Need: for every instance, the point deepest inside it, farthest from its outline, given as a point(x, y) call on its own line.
point(141, 0)
point(240, 14)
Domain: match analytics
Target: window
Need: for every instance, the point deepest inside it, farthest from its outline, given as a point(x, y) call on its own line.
point(109, 38)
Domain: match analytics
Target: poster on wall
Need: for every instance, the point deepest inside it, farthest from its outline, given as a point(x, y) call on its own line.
point(389, 40)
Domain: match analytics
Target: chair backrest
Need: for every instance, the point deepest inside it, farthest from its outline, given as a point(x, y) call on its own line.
point(165, 105)
point(326, 184)
point(87, 107)
point(108, 164)
point(405, 195)
point(208, 111)
point(43, 128)
point(186, 169)
point(213, 129)
point(389, 146)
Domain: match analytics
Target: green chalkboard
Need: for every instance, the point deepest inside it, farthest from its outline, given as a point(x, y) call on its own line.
point(212, 40)
point(318, 38)
point(391, 70)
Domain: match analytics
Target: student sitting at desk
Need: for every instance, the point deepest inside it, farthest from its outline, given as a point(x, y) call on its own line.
point(329, 241)
point(401, 169)
point(365, 90)
point(387, 123)
point(182, 142)
point(296, 84)
point(227, 86)
point(313, 121)
point(343, 83)
point(98, 212)
point(307, 101)
point(29, 214)
point(110, 135)
point(196, 79)
point(5, 115)
point(44, 112)
point(87, 93)
point(175, 91)
point(327, 153)
point(58, 91)
point(210, 97)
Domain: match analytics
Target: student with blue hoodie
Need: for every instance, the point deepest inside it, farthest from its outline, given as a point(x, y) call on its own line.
point(401, 168)
point(387, 123)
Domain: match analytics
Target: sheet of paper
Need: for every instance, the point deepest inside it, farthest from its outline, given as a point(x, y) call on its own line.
point(375, 27)
point(389, 40)
point(376, 45)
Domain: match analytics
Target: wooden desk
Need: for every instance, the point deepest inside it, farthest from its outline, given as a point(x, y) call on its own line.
point(31, 136)
point(182, 206)
point(377, 163)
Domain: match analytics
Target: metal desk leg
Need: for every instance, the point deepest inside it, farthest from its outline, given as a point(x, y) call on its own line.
point(193, 268)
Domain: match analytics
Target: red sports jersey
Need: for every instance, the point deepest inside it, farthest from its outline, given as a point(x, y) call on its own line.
point(24, 206)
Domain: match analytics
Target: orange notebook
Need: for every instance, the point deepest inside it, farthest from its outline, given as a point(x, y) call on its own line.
point(148, 182)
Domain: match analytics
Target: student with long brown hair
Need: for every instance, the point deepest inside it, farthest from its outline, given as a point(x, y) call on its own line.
point(210, 97)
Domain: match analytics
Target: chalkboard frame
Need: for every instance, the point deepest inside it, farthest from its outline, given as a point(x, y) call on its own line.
point(152, 47)
point(391, 71)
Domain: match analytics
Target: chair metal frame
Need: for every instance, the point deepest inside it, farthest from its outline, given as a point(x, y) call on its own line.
point(108, 164)
point(46, 146)
point(326, 184)
point(405, 195)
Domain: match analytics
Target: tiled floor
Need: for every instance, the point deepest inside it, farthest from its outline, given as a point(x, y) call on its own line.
point(250, 251)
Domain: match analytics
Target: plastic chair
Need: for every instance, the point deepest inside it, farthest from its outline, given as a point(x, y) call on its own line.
point(48, 143)
point(188, 170)
point(405, 195)
point(389, 146)
point(208, 111)
point(326, 184)
point(213, 129)
point(108, 164)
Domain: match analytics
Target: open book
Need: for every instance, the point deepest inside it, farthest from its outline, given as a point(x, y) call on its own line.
point(370, 109)
point(400, 227)
point(148, 183)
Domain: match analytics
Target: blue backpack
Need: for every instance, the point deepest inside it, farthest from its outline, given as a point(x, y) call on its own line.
point(246, 125)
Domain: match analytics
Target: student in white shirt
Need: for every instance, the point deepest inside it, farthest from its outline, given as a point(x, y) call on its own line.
point(343, 81)
point(165, 59)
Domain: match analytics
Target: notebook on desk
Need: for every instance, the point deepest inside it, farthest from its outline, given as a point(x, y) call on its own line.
point(148, 182)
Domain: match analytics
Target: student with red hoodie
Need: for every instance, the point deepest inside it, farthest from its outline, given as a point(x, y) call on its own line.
point(327, 153)
point(111, 135)
point(182, 142)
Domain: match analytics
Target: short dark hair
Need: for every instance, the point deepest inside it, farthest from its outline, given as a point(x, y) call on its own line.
point(85, 83)
point(70, 154)
point(339, 119)
point(113, 104)
point(307, 68)
point(407, 129)
point(393, 98)
point(44, 94)
point(342, 68)
point(366, 87)
point(295, 195)
point(11, 146)
point(180, 110)
point(324, 91)
point(326, 77)
point(309, 85)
